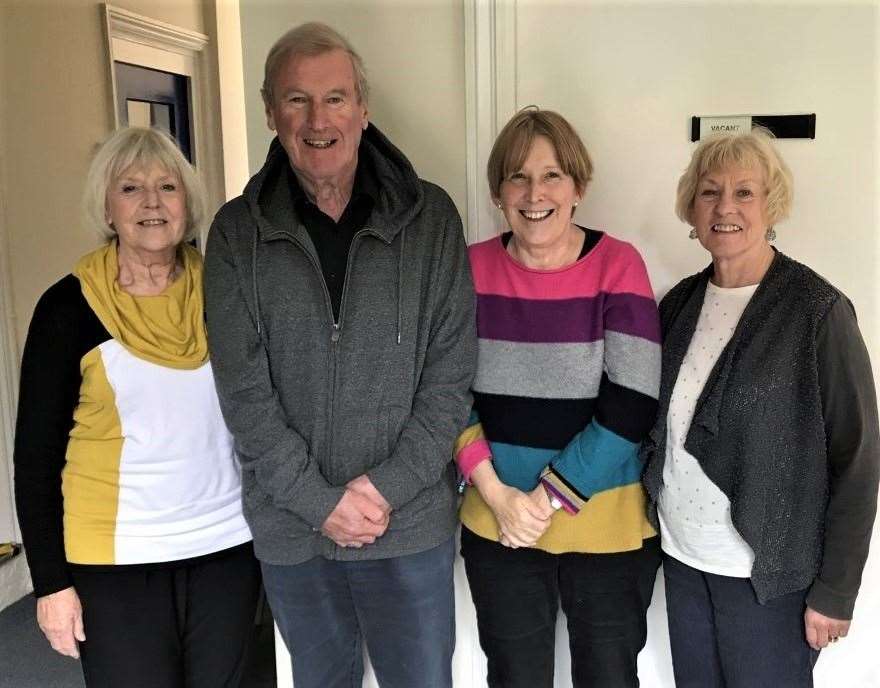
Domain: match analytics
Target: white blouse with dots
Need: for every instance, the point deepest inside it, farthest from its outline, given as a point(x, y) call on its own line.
point(695, 523)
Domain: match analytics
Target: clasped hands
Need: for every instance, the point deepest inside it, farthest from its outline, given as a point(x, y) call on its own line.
point(360, 517)
point(523, 517)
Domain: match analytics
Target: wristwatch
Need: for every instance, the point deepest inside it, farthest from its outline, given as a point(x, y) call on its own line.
point(554, 501)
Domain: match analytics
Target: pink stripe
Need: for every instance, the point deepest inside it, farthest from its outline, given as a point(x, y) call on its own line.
point(471, 455)
point(495, 272)
point(567, 504)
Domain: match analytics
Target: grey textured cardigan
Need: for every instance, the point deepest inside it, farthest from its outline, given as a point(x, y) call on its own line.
point(313, 403)
point(786, 426)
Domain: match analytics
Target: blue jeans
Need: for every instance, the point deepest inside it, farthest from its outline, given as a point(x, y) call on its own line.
point(403, 607)
point(722, 637)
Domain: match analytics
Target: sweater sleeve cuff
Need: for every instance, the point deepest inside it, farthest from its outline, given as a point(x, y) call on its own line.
point(471, 448)
point(829, 602)
point(47, 584)
point(315, 507)
point(570, 499)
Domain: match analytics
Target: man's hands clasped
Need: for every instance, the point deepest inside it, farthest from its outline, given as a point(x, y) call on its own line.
point(360, 517)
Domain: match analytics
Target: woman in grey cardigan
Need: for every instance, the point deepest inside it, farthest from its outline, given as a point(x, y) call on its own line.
point(762, 467)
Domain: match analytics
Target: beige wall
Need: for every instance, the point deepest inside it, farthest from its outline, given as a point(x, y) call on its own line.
point(57, 107)
point(414, 53)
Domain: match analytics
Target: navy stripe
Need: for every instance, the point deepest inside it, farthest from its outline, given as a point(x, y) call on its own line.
point(531, 422)
point(624, 411)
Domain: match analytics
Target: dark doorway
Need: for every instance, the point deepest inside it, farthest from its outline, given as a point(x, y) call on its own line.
point(152, 98)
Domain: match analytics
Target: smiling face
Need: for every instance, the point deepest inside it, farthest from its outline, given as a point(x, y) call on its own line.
point(730, 214)
point(538, 198)
point(318, 116)
point(147, 208)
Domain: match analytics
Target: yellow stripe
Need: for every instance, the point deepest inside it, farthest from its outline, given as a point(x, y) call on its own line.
point(90, 480)
point(469, 436)
point(611, 521)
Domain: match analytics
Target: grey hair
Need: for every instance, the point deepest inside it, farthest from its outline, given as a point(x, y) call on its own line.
point(310, 39)
point(139, 147)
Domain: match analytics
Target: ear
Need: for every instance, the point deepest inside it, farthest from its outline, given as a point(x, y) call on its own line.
point(365, 116)
point(270, 119)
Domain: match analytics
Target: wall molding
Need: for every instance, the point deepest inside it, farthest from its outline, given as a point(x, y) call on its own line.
point(140, 29)
point(490, 100)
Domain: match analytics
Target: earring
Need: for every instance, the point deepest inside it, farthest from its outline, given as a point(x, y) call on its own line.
point(499, 206)
point(771, 234)
point(693, 233)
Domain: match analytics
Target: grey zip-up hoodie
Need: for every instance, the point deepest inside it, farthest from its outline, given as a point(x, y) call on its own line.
point(313, 403)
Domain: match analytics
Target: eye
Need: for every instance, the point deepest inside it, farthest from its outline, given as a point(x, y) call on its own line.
point(553, 175)
point(744, 193)
point(128, 188)
point(334, 100)
point(169, 186)
point(516, 177)
point(708, 193)
point(296, 100)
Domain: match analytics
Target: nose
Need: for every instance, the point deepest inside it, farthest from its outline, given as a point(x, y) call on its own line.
point(151, 197)
point(726, 202)
point(535, 191)
point(317, 116)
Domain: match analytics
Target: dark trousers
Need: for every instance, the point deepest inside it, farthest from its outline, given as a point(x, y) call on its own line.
point(722, 637)
point(188, 626)
point(517, 593)
point(403, 607)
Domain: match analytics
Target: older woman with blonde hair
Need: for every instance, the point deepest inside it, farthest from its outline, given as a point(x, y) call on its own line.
point(127, 485)
point(566, 387)
point(762, 467)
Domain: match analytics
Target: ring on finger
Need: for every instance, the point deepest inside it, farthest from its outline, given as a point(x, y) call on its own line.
point(835, 639)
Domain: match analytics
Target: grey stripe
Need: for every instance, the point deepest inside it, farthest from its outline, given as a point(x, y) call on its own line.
point(633, 362)
point(545, 371)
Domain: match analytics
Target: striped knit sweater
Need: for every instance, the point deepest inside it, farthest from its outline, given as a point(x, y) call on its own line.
point(566, 387)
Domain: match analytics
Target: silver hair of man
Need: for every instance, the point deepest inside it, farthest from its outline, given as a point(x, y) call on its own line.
point(313, 38)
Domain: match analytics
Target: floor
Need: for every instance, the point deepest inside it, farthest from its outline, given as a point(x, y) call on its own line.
point(27, 661)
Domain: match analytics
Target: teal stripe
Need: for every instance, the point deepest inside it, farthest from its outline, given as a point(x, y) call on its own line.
point(598, 459)
point(519, 467)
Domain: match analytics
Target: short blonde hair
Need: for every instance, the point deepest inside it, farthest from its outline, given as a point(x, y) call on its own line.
point(310, 39)
point(754, 149)
point(512, 146)
point(139, 147)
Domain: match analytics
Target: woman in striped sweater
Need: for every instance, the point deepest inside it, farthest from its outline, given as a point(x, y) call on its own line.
point(566, 387)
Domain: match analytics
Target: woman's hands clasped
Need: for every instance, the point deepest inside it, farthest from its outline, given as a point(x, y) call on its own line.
point(522, 517)
point(59, 616)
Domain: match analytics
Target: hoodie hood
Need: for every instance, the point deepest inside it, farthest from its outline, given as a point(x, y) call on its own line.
point(399, 195)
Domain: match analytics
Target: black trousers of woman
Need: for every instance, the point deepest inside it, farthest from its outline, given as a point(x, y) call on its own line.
point(517, 593)
point(179, 627)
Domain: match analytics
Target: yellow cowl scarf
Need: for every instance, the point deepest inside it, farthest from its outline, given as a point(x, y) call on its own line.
point(167, 329)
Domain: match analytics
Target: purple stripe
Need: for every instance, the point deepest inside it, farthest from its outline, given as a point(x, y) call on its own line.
point(567, 504)
point(565, 321)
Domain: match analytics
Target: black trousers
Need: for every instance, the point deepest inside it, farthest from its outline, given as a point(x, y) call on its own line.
point(517, 593)
point(188, 626)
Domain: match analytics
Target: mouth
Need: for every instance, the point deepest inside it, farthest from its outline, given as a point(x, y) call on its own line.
point(726, 228)
point(153, 222)
point(319, 143)
point(536, 215)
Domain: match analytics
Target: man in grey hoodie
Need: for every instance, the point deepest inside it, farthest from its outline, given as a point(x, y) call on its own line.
point(341, 322)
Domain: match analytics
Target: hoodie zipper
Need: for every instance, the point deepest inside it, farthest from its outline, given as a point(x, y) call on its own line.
point(336, 331)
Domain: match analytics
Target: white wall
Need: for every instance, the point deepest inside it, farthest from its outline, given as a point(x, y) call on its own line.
point(630, 76)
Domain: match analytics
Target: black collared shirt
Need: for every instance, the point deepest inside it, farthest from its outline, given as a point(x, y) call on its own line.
point(332, 239)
